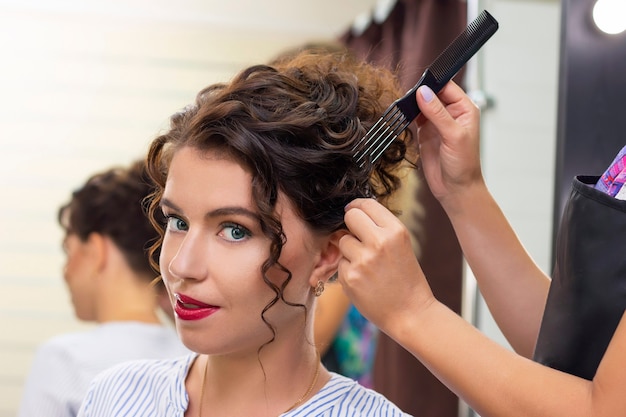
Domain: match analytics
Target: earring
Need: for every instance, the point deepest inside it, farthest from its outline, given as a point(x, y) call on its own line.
point(319, 288)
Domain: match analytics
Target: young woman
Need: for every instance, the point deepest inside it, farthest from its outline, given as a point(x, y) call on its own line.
point(253, 180)
point(385, 281)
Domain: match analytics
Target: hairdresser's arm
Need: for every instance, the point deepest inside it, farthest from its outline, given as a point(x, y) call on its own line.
point(514, 287)
point(384, 280)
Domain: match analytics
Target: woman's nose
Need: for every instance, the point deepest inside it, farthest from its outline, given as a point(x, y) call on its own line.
point(189, 259)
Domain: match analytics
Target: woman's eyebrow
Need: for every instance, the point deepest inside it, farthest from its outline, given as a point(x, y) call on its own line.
point(222, 211)
point(167, 203)
point(233, 210)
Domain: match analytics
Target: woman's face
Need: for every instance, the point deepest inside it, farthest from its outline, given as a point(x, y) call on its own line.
point(212, 254)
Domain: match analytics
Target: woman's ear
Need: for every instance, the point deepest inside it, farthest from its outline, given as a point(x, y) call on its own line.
point(97, 249)
point(329, 259)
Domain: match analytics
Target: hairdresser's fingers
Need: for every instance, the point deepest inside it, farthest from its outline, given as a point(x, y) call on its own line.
point(451, 93)
point(451, 113)
point(378, 234)
point(360, 226)
point(366, 221)
point(378, 214)
point(448, 137)
point(451, 131)
point(370, 222)
point(437, 128)
point(380, 273)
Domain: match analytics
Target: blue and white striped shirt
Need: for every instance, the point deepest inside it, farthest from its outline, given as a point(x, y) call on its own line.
point(157, 388)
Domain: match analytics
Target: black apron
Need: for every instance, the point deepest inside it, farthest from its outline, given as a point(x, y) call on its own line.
point(587, 295)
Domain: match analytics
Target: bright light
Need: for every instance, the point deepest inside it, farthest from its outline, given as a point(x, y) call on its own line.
point(610, 16)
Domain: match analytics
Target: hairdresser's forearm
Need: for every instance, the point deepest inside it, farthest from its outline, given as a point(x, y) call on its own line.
point(514, 287)
point(494, 381)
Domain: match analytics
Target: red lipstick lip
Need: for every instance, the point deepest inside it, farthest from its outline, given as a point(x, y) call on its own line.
point(187, 308)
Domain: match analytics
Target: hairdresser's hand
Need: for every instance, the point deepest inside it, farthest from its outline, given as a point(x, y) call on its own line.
point(448, 133)
point(379, 271)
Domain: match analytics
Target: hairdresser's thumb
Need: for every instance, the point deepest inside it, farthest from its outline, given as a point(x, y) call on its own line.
point(430, 105)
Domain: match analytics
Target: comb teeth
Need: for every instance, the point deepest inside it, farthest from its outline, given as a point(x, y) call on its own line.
point(385, 131)
point(402, 111)
point(452, 59)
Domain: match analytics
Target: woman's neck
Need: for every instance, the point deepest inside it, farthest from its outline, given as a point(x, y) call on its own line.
point(128, 301)
point(271, 381)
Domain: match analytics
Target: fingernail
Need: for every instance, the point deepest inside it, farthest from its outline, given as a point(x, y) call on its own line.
point(426, 92)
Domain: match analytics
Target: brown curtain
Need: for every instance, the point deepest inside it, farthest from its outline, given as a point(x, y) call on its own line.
point(412, 36)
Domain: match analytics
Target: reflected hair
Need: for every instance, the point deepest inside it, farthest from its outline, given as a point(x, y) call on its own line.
point(112, 203)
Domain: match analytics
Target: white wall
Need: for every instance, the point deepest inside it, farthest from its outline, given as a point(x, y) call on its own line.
point(520, 69)
point(87, 84)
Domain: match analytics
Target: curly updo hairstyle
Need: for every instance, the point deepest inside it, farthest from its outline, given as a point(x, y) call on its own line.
point(294, 125)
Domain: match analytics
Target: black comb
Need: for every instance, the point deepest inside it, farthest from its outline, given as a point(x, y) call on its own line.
point(404, 110)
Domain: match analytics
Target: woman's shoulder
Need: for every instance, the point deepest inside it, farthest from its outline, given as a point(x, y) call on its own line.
point(158, 383)
point(153, 369)
point(342, 396)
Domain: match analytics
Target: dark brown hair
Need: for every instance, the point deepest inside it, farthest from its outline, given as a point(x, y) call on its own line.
point(111, 203)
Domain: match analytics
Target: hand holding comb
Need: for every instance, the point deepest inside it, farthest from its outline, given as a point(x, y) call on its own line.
point(404, 110)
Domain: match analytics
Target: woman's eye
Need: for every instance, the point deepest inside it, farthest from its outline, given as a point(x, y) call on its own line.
point(234, 232)
point(176, 224)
